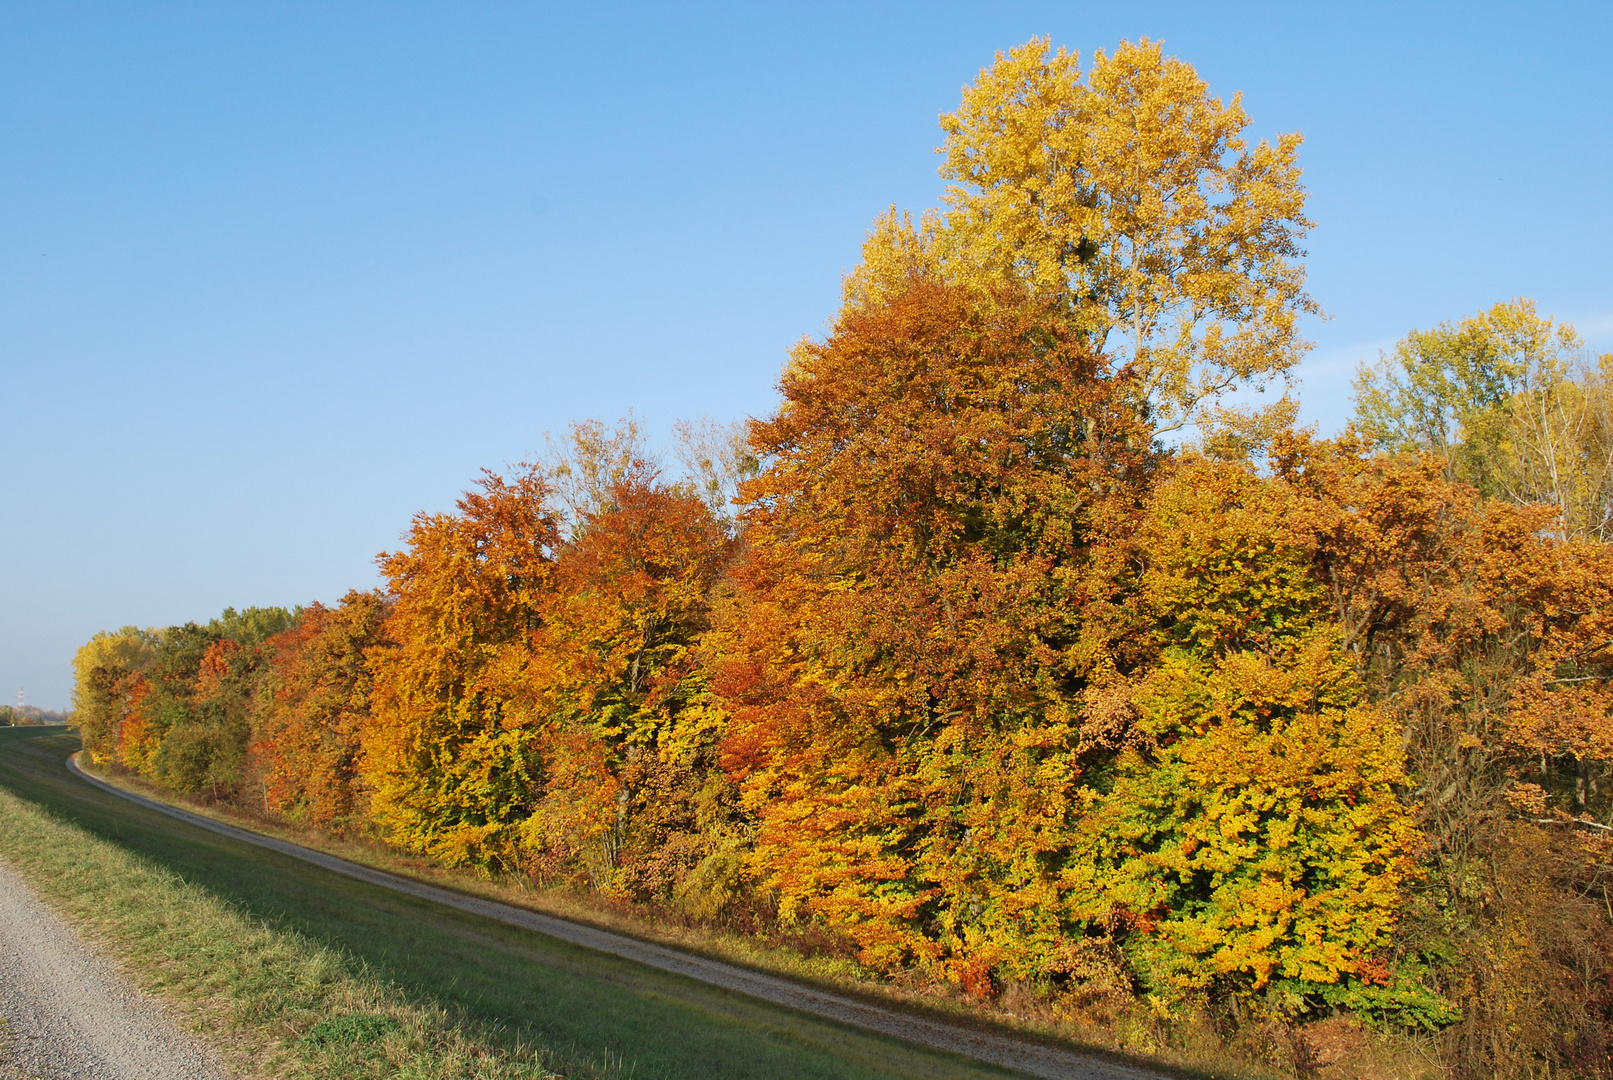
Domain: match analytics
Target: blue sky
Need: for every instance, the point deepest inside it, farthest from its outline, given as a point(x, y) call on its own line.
point(273, 277)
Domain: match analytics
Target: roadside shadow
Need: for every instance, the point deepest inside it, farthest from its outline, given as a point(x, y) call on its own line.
point(514, 985)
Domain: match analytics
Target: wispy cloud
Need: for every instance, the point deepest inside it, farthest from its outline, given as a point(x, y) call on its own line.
point(1343, 359)
point(1327, 382)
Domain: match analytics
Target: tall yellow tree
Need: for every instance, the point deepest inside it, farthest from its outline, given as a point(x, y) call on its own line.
point(1130, 195)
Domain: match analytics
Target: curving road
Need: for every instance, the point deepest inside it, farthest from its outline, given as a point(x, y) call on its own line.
point(1026, 1056)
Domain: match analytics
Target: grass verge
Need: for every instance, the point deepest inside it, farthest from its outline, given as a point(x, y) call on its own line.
point(296, 971)
point(1187, 1050)
point(273, 1001)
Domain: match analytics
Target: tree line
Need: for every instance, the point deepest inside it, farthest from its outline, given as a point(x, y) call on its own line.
point(1016, 649)
point(21, 715)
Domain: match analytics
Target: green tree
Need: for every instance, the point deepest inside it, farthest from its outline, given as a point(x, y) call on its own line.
point(202, 685)
point(1507, 398)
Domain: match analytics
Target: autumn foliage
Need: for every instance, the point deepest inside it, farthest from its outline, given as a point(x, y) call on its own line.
point(313, 711)
point(985, 684)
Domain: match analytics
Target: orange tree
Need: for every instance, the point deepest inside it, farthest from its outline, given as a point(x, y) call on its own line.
point(449, 750)
point(629, 730)
point(1488, 641)
point(310, 716)
point(905, 665)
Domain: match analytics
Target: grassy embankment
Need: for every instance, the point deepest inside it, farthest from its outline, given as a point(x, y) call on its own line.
point(1191, 1049)
point(297, 971)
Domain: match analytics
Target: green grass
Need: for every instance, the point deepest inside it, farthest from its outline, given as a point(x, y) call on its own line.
point(306, 972)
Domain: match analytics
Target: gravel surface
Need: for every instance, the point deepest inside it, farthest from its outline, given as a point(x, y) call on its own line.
point(995, 1047)
point(67, 1012)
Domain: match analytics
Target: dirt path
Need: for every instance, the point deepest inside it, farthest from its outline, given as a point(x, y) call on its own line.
point(1035, 1059)
point(68, 1014)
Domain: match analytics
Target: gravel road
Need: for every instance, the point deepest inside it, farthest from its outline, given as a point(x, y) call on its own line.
point(1024, 1055)
point(68, 1014)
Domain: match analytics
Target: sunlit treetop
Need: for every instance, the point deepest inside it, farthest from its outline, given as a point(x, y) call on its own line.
point(1129, 196)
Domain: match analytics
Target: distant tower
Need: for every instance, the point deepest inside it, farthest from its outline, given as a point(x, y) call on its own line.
point(22, 696)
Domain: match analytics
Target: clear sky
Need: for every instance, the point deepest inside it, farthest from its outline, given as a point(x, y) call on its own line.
point(273, 277)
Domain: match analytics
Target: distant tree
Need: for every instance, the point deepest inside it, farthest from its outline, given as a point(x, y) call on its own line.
point(1511, 403)
point(33, 714)
point(107, 670)
point(309, 719)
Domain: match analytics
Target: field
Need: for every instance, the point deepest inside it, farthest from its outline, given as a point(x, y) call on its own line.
point(309, 973)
